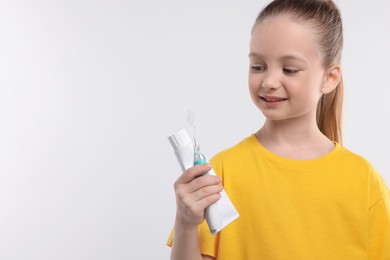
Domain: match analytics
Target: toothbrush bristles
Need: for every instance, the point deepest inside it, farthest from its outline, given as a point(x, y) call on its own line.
point(191, 121)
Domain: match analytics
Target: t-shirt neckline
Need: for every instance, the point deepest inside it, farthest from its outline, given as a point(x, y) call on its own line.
point(295, 163)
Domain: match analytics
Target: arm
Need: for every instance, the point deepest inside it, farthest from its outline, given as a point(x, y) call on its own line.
point(185, 244)
point(193, 195)
point(378, 218)
point(379, 228)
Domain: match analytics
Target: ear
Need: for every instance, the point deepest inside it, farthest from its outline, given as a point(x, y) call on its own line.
point(331, 79)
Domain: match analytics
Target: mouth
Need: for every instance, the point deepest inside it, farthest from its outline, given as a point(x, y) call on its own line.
point(272, 99)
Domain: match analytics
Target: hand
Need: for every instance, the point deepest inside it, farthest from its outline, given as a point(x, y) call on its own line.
point(194, 194)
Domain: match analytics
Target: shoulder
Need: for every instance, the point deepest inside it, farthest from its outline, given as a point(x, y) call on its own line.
point(354, 160)
point(376, 184)
point(234, 157)
point(235, 152)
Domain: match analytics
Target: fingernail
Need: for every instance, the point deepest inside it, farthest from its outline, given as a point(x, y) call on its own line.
point(208, 166)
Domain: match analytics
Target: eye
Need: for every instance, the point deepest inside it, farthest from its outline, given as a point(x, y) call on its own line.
point(289, 70)
point(257, 68)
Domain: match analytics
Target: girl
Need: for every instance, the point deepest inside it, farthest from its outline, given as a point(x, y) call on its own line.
point(300, 194)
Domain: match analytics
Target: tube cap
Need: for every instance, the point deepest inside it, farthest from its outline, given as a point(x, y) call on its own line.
point(180, 139)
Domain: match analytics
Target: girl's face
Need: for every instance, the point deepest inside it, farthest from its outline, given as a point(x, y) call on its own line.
point(286, 75)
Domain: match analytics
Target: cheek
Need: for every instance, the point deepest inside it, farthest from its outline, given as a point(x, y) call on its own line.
point(309, 94)
point(253, 83)
point(253, 88)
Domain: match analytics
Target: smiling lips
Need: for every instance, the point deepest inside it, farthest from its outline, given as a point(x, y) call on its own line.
point(272, 99)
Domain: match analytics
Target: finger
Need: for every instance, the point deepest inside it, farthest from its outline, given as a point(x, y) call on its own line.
point(201, 182)
point(205, 192)
point(193, 172)
point(207, 201)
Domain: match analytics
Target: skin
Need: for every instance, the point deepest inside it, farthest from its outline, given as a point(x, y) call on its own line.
point(193, 195)
point(284, 62)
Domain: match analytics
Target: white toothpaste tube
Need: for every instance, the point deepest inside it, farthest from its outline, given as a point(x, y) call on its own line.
point(219, 214)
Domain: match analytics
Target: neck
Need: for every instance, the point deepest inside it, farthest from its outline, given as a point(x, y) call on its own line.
point(297, 138)
point(290, 131)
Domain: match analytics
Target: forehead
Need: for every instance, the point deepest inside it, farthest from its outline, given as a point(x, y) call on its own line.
point(281, 35)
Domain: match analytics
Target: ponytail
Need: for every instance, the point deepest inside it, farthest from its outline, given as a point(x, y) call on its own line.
point(329, 113)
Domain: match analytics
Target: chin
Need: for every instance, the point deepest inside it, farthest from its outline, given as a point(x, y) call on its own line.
point(275, 116)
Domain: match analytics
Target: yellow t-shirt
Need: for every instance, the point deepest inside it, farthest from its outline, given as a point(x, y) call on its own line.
point(333, 207)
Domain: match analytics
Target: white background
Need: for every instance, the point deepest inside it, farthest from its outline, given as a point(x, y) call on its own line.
point(90, 90)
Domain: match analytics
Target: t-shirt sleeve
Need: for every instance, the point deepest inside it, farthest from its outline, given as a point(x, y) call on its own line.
point(379, 218)
point(208, 243)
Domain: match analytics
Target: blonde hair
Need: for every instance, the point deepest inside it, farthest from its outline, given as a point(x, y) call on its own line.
point(325, 18)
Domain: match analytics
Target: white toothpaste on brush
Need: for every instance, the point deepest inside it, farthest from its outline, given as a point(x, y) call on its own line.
point(219, 214)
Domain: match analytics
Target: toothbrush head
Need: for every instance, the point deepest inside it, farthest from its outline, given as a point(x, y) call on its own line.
point(190, 118)
point(191, 121)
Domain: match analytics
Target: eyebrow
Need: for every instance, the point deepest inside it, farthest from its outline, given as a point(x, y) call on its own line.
point(254, 54)
point(285, 57)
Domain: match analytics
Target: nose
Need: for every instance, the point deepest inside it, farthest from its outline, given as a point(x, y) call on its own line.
point(271, 80)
